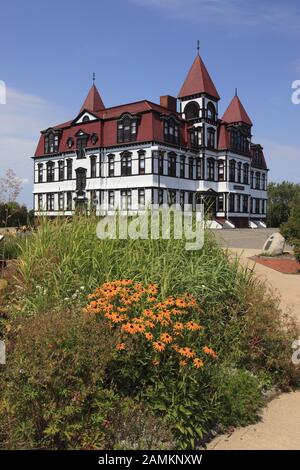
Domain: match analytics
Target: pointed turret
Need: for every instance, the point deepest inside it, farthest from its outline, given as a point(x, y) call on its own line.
point(198, 81)
point(93, 101)
point(236, 113)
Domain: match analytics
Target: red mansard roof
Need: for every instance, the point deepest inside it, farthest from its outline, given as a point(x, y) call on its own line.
point(93, 101)
point(236, 112)
point(198, 81)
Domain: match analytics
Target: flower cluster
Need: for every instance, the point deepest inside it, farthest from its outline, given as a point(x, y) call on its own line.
point(167, 327)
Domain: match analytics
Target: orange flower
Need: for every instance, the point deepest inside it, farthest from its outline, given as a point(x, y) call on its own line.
point(151, 299)
point(129, 328)
point(159, 346)
point(149, 336)
point(182, 363)
point(180, 303)
point(178, 326)
point(210, 352)
point(191, 325)
point(166, 338)
point(120, 346)
point(148, 313)
point(149, 324)
point(198, 363)
point(116, 318)
point(140, 328)
point(187, 352)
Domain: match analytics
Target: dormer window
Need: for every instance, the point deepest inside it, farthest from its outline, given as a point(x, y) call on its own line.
point(85, 118)
point(81, 143)
point(171, 131)
point(51, 142)
point(127, 129)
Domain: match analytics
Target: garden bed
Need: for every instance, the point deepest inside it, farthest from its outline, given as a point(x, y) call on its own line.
point(283, 264)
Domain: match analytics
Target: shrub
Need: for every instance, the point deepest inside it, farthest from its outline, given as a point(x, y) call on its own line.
point(52, 393)
point(9, 247)
point(291, 229)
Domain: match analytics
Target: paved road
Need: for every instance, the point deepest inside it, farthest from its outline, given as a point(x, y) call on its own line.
point(244, 238)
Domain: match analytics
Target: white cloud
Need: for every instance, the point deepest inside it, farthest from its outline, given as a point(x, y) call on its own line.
point(271, 14)
point(21, 119)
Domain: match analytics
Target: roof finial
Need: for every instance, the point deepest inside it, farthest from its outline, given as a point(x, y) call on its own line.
point(198, 46)
point(94, 78)
point(236, 92)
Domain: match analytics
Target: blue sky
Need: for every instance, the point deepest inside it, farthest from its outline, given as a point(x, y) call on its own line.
point(143, 49)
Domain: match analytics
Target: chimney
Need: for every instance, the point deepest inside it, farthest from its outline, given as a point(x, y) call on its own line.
point(169, 102)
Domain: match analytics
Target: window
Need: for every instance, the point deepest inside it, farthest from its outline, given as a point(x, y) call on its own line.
point(171, 131)
point(211, 138)
point(81, 145)
point(191, 199)
point(69, 169)
point(232, 171)
point(69, 201)
point(160, 196)
point(93, 199)
point(85, 119)
point(263, 181)
point(182, 166)
point(51, 142)
point(239, 172)
point(50, 171)
point(80, 179)
point(221, 203)
point(171, 196)
point(126, 164)
point(191, 168)
point(171, 165)
point(240, 141)
point(141, 197)
point(211, 112)
point(141, 162)
point(40, 202)
point(191, 110)
point(126, 199)
point(61, 201)
point(252, 179)
point(40, 172)
point(245, 204)
point(196, 137)
point(181, 198)
point(61, 170)
point(246, 173)
point(111, 165)
point(111, 199)
point(93, 166)
point(257, 206)
point(221, 171)
point(238, 203)
point(199, 168)
point(231, 202)
point(127, 129)
point(257, 180)
point(210, 169)
point(50, 202)
point(161, 163)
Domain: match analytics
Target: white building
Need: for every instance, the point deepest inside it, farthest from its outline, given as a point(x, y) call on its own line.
point(140, 153)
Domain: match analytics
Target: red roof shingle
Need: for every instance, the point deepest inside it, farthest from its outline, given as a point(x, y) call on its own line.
point(198, 81)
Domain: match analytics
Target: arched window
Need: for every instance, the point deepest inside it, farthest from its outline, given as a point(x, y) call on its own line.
point(171, 164)
point(126, 164)
point(93, 166)
point(61, 170)
point(51, 142)
point(211, 112)
point(210, 169)
point(192, 110)
point(85, 119)
point(111, 165)
point(221, 171)
point(50, 171)
point(239, 172)
point(40, 172)
point(257, 179)
point(127, 129)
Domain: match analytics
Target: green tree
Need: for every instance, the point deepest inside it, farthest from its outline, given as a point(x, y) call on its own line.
point(280, 199)
point(291, 229)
